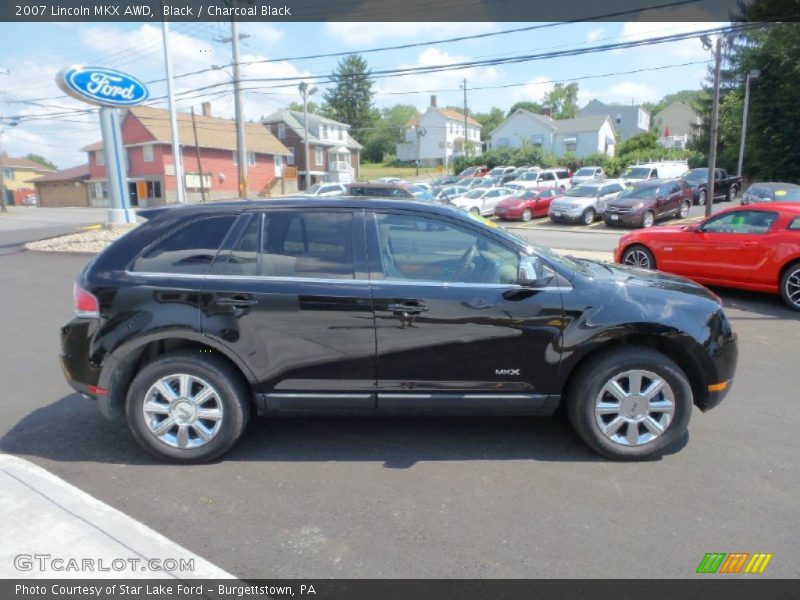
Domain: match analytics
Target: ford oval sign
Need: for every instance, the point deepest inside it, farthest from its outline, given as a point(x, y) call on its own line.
point(102, 86)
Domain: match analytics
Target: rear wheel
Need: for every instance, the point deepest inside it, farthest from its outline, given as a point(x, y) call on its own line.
point(630, 403)
point(639, 256)
point(701, 198)
point(648, 219)
point(188, 407)
point(732, 193)
point(588, 216)
point(527, 215)
point(683, 212)
point(790, 286)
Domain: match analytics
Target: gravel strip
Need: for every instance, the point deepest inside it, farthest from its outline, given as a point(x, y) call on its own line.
point(89, 242)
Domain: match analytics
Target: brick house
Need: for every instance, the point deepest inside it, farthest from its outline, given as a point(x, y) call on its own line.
point(147, 138)
point(63, 188)
point(333, 154)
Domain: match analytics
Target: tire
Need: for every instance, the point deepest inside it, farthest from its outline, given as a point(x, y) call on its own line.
point(588, 217)
point(790, 286)
point(732, 193)
point(639, 256)
point(634, 437)
point(648, 219)
point(230, 400)
point(527, 215)
point(683, 211)
point(701, 198)
point(475, 210)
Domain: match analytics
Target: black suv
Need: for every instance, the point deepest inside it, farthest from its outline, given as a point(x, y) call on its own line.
point(205, 314)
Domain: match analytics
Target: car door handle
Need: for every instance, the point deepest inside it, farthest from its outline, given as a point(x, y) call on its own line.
point(236, 300)
point(412, 307)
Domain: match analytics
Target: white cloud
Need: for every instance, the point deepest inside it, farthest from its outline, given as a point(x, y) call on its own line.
point(534, 90)
point(595, 34)
point(358, 34)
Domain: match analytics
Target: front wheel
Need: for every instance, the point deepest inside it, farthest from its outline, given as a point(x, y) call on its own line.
point(639, 256)
point(701, 198)
point(188, 407)
point(475, 211)
point(630, 403)
point(683, 212)
point(790, 286)
point(648, 219)
point(527, 215)
point(589, 216)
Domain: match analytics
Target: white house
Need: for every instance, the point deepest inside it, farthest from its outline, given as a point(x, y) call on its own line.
point(676, 125)
point(580, 136)
point(440, 135)
point(628, 120)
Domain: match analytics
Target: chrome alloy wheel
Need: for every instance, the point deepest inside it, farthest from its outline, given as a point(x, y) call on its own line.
point(637, 258)
point(793, 287)
point(634, 407)
point(183, 411)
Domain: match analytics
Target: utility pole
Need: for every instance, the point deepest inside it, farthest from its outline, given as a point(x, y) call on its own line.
point(465, 117)
point(241, 146)
point(177, 157)
point(197, 155)
point(3, 207)
point(754, 74)
point(420, 132)
point(305, 92)
point(712, 151)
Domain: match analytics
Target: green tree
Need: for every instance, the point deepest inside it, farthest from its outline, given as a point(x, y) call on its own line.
point(534, 107)
point(350, 99)
point(313, 107)
point(41, 160)
point(387, 132)
point(489, 121)
point(562, 100)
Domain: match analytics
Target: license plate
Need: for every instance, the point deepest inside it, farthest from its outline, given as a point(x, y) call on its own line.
point(556, 213)
point(615, 217)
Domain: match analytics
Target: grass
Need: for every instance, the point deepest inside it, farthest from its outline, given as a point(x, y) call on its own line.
point(371, 171)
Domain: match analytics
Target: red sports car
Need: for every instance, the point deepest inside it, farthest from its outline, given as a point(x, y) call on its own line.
point(525, 204)
point(753, 247)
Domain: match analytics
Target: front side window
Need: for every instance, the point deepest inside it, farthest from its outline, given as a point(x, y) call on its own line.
point(794, 225)
point(743, 221)
point(420, 248)
point(307, 244)
point(243, 259)
point(189, 250)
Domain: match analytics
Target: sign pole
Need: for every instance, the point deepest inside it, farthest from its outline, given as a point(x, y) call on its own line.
point(116, 169)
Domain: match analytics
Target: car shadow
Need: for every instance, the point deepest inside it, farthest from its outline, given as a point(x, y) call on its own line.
point(755, 303)
point(73, 430)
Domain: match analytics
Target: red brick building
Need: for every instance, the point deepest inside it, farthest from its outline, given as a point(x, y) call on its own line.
point(147, 138)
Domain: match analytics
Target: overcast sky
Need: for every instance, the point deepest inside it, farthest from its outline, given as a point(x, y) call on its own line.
point(35, 52)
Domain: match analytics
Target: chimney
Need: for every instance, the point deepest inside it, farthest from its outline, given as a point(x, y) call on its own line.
point(206, 109)
point(545, 111)
point(433, 101)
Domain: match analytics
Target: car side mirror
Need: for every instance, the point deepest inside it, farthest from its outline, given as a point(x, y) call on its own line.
point(533, 272)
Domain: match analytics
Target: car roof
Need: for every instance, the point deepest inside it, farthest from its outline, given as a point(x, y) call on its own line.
point(776, 185)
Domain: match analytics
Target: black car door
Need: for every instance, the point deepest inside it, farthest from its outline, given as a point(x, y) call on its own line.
point(291, 297)
point(453, 329)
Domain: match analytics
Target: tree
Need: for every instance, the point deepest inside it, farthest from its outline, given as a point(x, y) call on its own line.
point(489, 121)
point(388, 131)
point(562, 101)
point(41, 160)
point(350, 100)
point(313, 107)
point(528, 105)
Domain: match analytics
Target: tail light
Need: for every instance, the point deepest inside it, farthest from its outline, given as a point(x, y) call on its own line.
point(86, 304)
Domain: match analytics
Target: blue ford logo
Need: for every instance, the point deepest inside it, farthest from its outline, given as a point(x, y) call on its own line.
point(105, 87)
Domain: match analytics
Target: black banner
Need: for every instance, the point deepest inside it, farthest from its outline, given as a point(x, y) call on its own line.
point(368, 10)
point(713, 588)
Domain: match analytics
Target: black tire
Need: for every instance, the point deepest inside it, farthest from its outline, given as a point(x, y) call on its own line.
point(651, 220)
point(527, 215)
point(585, 386)
point(791, 279)
point(629, 257)
point(233, 393)
point(683, 211)
point(587, 218)
point(732, 193)
point(701, 198)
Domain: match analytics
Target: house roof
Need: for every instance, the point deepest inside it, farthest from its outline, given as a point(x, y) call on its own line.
point(547, 121)
point(71, 174)
point(595, 105)
point(671, 104)
point(212, 132)
point(447, 113)
point(24, 164)
point(294, 119)
point(561, 126)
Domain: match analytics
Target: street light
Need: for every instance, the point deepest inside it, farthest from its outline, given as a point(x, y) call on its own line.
point(305, 92)
point(754, 74)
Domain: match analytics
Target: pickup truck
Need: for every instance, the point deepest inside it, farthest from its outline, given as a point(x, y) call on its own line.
point(725, 186)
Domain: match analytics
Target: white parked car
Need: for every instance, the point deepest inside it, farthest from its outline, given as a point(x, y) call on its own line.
point(389, 180)
point(587, 174)
point(482, 201)
point(667, 169)
point(548, 178)
point(326, 189)
point(450, 192)
point(584, 203)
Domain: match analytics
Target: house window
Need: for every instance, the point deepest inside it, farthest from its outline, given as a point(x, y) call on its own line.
point(318, 155)
point(290, 160)
point(281, 131)
point(278, 162)
point(99, 190)
point(8, 173)
point(147, 153)
point(324, 132)
point(341, 134)
point(618, 118)
point(100, 158)
point(251, 159)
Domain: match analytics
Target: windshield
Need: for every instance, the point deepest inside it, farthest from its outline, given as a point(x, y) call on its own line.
point(787, 194)
point(637, 172)
point(529, 176)
point(314, 188)
point(696, 174)
point(583, 191)
point(474, 194)
point(650, 191)
point(584, 172)
point(497, 171)
point(524, 194)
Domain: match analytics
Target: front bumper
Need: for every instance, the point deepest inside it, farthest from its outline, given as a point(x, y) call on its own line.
point(570, 215)
point(630, 219)
point(509, 214)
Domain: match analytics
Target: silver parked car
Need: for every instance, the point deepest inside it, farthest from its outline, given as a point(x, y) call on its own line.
point(588, 174)
point(585, 202)
point(482, 201)
point(326, 189)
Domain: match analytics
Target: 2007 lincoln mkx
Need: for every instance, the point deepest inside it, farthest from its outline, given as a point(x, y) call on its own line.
point(206, 314)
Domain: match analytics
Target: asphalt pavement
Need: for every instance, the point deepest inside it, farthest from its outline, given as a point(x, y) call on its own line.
point(437, 497)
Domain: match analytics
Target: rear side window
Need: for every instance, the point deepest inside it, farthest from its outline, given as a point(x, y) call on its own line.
point(190, 249)
point(794, 225)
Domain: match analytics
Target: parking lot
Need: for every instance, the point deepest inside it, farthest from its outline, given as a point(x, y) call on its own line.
point(443, 497)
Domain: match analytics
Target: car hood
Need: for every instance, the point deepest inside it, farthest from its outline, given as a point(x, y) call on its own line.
point(633, 276)
point(567, 200)
point(628, 202)
point(513, 202)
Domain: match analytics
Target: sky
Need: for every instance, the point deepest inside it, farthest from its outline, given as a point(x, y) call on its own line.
point(35, 52)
